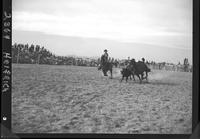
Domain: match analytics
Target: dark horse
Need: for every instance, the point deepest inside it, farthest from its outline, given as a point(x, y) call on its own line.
point(139, 68)
point(107, 66)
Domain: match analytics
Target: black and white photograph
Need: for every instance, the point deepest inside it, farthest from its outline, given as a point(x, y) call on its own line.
point(102, 66)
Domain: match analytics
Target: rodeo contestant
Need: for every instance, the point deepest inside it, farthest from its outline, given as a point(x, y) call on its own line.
point(143, 60)
point(104, 57)
point(104, 60)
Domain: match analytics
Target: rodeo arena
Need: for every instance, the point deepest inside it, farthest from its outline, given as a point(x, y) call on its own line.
point(71, 94)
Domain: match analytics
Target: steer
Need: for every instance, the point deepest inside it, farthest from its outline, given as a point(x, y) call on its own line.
point(126, 72)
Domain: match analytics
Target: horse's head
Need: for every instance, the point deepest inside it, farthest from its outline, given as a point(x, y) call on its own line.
point(148, 70)
point(99, 68)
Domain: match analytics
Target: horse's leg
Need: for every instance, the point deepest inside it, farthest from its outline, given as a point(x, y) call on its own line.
point(104, 72)
point(126, 78)
point(142, 76)
point(146, 75)
point(133, 77)
point(130, 77)
point(122, 78)
point(111, 73)
point(139, 78)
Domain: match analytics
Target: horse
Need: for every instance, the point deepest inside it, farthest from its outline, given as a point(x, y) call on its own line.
point(139, 68)
point(107, 66)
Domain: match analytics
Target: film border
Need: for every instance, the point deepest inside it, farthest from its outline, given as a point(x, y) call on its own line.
point(6, 66)
point(6, 73)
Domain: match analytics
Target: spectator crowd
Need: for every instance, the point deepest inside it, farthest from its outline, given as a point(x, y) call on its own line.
point(35, 54)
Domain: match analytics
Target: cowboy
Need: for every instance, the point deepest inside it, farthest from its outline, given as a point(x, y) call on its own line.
point(104, 57)
point(143, 60)
point(127, 62)
point(104, 60)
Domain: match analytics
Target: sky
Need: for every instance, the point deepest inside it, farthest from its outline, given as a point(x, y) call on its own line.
point(150, 27)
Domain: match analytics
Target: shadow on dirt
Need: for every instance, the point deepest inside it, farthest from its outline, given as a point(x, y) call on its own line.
point(161, 83)
point(149, 82)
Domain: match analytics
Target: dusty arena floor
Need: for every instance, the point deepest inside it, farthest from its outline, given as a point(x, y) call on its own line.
point(72, 99)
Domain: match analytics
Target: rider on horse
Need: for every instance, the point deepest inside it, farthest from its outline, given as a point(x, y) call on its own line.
point(104, 60)
point(104, 57)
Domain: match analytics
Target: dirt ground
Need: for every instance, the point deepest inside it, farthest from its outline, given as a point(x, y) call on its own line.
point(72, 99)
